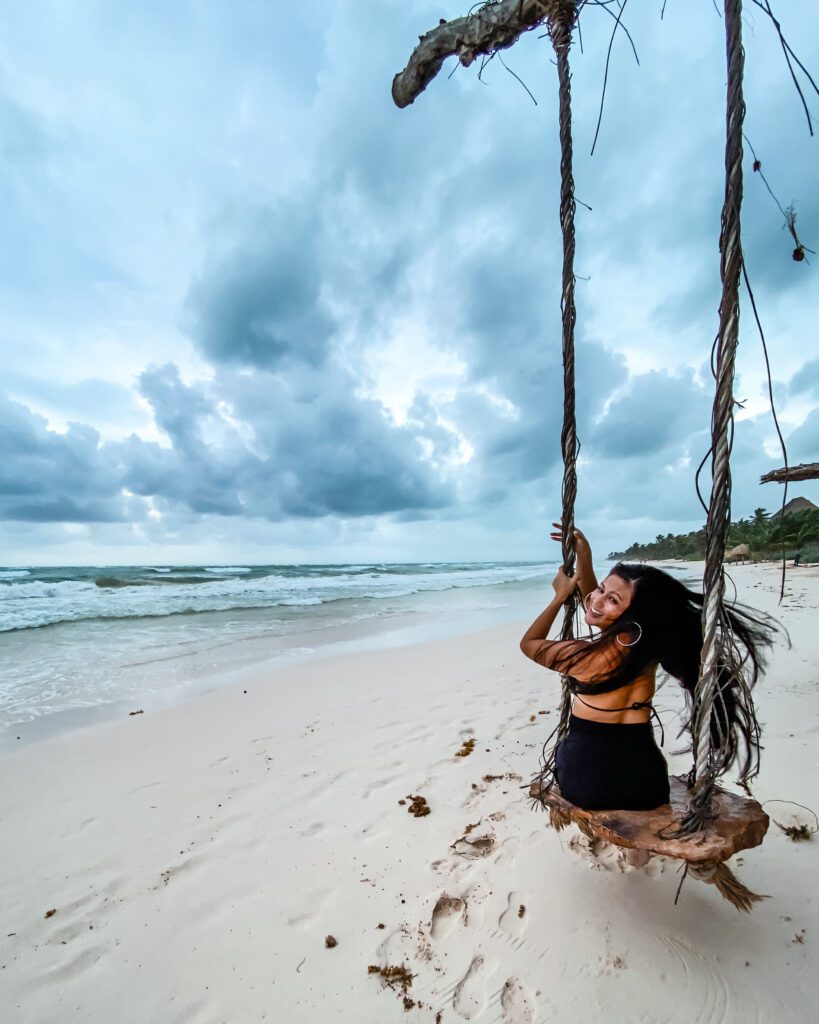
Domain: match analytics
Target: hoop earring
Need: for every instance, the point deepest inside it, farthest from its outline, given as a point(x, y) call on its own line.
point(633, 642)
point(586, 600)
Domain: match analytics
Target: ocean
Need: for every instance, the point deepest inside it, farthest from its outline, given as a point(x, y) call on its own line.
point(90, 642)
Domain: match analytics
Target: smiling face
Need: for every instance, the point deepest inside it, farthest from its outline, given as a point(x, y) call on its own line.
point(609, 601)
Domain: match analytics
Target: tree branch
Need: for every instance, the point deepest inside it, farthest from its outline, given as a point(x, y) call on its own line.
point(806, 471)
point(494, 25)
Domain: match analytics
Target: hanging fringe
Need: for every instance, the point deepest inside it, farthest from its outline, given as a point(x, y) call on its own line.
point(727, 884)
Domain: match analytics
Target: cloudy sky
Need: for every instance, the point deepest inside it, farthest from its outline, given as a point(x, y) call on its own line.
point(253, 312)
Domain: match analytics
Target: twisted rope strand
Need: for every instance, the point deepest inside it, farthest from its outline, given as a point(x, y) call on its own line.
point(560, 29)
point(711, 742)
point(561, 24)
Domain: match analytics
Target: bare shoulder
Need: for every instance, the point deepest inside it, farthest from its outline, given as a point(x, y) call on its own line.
point(583, 660)
point(598, 662)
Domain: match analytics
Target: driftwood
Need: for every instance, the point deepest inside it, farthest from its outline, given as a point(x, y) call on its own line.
point(805, 471)
point(491, 27)
point(739, 823)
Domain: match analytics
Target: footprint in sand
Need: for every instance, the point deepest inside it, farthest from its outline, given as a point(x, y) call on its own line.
point(470, 994)
point(509, 851)
point(606, 857)
point(476, 896)
point(513, 919)
point(377, 784)
point(475, 846)
point(654, 867)
point(517, 1003)
point(314, 902)
point(448, 912)
point(74, 963)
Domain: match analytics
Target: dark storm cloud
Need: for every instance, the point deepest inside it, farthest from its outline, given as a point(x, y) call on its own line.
point(657, 411)
point(309, 450)
point(658, 488)
point(806, 380)
point(325, 451)
point(177, 407)
point(423, 417)
point(321, 446)
point(696, 303)
point(50, 477)
point(511, 407)
point(518, 441)
point(643, 451)
point(195, 474)
point(259, 303)
point(803, 443)
point(316, 450)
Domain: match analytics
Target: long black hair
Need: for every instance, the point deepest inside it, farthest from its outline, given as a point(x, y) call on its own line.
point(662, 625)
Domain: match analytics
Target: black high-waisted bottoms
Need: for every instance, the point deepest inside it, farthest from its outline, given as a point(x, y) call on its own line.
point(611, 767)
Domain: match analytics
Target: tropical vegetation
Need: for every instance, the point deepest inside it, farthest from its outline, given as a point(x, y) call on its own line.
point(765, 534)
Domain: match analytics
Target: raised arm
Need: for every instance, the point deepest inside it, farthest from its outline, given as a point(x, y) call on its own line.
point(535, 639)
point(583, 661)
point(585, 575)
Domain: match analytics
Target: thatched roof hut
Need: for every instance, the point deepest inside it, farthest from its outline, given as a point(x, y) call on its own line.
point(738, 554)
point(794, 505)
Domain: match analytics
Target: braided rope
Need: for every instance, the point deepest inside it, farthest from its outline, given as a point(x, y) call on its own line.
point(560, 25)
point(709, 755)
point(560, 31)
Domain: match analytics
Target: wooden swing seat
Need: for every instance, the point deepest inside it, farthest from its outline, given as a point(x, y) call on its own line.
point(739, 824)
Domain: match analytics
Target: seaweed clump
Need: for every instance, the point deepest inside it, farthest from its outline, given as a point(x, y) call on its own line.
point(467, 748)
point(419, 806)
point(797, 833)
point(399, 979)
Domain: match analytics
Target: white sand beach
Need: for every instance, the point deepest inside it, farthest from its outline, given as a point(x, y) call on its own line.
point(187, 864)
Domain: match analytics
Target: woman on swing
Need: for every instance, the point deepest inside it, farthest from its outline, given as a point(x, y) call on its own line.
point(643, 619)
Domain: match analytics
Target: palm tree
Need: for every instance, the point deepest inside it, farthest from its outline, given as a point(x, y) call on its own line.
point(797, 530)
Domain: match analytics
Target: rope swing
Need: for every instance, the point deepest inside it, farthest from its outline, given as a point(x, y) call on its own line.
point(703, 825)
point(710, 755)
point(560, 26)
